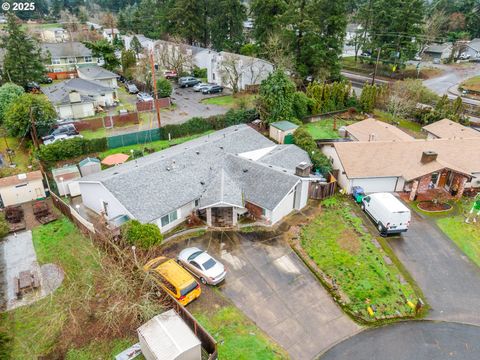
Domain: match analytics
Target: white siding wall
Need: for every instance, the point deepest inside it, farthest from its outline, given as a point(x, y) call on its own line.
point(76, 111)
point(342, 180)
point(283, 208)
point(475, 180)
point(371, 185)
point(400, 184)
point(301, 196)
point(182, 214)
point(93, 195)
point(13, 195)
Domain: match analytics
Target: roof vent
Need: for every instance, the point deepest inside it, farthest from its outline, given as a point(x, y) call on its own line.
point(202, 182)
point(22, 176)
point(221, 147)
point(245, 170)
point(428, 156)
point(197, 152)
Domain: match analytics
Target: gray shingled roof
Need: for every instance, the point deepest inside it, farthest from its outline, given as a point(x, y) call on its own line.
point(59, 93)
point(222, 190)
point(437, 48)
point(95, 72)
point(286, 156)
point(157, 184)
point(65, 49)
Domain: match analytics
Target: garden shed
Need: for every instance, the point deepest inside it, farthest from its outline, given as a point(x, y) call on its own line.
point(282, 130)
point(167, 337)
point(65, 179)
point(89, 166)
point(21, 188)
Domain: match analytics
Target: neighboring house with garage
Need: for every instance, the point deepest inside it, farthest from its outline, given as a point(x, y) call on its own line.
point(99, 74)
point(21, 188)
point(220, 177)
point(472, 48)
point(78, 98)
point(375, 130)
point(448, 129)
point(438, 51)
point(282, 129)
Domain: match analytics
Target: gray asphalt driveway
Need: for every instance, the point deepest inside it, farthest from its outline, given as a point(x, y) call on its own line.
point(449, 280)
point(411, 341)
point(272, 286)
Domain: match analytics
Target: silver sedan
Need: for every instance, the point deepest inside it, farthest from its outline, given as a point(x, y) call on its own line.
point(202, 265)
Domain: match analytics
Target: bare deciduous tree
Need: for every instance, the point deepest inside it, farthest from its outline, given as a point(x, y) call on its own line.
point(173, 55)
point(277, 51)
point(233, 68)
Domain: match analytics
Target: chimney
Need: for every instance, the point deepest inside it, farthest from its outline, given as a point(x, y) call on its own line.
point(74, 97)
point(428, 156)
point(303, 169)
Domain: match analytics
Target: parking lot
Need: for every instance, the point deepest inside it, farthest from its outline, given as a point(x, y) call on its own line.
point(272, 286)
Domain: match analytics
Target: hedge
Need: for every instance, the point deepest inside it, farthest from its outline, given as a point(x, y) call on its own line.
point(198, 125)
point(142, 235)
point(70, 148)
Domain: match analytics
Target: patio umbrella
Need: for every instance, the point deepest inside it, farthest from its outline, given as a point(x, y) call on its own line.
point(115, 159)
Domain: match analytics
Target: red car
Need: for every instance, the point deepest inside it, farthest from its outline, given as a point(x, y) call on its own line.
point(170, 74)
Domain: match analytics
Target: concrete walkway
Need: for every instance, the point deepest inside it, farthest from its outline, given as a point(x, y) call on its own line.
point(19, 255)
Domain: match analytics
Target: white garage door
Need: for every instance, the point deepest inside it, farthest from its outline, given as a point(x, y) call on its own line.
point(371, 185)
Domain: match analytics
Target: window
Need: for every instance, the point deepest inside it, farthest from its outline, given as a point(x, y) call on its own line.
point(197, 202)
point(196, 265)
point(56, 61)
point(209, 264)
point(434, 178)
point(264, 212)
point(20, 185)
point(88, 59)
point(167, 219)
point(71, 60)
point(189, 288)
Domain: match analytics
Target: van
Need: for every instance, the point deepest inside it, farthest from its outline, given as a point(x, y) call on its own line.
point(389, 214)
point(174, 279)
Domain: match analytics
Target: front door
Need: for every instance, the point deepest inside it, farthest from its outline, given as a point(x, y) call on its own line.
point(222, 216)
point(443, 179)
point(449, 181)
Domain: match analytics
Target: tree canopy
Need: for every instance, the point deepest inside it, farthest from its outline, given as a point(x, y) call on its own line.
point(9, 92)
point(277, 93)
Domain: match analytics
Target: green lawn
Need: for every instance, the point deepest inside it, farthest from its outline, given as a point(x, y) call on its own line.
point(230, 101)
point(466, 236)
point(472, 84)
point(323, 129)
point(99, 350)
point(156, 145)
point(94, 134)
point(21, 156)
point(413, 128)
point(238, 338)
point(338, 243)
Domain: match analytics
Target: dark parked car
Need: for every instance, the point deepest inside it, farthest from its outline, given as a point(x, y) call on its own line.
point(67, 129)
point(46, 80)
point(212, 89)
point(32, 86)
point(188, 81)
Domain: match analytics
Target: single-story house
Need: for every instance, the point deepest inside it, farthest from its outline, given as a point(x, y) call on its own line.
point(63, 59)
point(99, 74)
point(109, 33)
point(168, 337)
point(146, 42)
point(66, 180)
point(21, 188)
point(375, 130)
point(412, 166)
point(448, 129)
point(280, 129)
point(472, 48)
point(78, 98)
point(220, 177)
point(89, 166)
point(54, 35)
point(438, 51)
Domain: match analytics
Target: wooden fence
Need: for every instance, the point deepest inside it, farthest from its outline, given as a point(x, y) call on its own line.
point(148, 105)
point(320, 190)
point(209, 345)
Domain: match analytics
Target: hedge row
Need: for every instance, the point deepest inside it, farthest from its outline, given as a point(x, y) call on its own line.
point(62, 150)
point(198, 125)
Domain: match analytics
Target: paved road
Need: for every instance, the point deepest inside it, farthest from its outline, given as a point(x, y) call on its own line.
point(449, 280)
point(411, 341)
point(272, 286)
point(452, 75)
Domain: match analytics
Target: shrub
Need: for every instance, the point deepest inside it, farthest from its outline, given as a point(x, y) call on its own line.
point(4, 228)
point(328, 97)
point(142, 235)
point(200, 72)
point(70, 148)
point(302, 105)
point(164, 88)
point(305, 141)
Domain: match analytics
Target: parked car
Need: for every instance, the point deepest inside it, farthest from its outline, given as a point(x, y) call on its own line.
point(188, 81)
point(142, 96)
point(173, 279)
point(212, 89)
point(50, 139)
point(170, 74)
point(389, 214)
point(46, 80)
point(32, 86)
point(200, 86)
point(202, 265)
point(62, 132)
point(464, 56)
point(131, 88)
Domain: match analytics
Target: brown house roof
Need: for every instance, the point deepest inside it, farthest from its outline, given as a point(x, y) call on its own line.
point(378, 130)
point(20, 179)
point(391, 158)
point(448, 129)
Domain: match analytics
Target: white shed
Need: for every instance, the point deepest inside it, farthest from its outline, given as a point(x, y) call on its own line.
point(89, 166)
point(167, 337)
point(65, 178)
point(281, 129)
point(21, 188)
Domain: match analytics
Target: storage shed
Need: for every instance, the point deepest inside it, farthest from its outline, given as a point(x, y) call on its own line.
point(281, 129)
point(167, 337)
point(89, 166)
point(21, 188)
point(65, 178)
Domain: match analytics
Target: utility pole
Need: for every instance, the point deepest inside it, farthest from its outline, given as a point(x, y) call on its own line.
point(376, 66)
point(7, 149)
point(34, 129)
point(157, 105)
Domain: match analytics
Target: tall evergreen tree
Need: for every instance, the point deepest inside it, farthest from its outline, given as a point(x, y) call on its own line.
point(226, 25)
point(23, 61)
point(266, 15)
point(190, 20)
